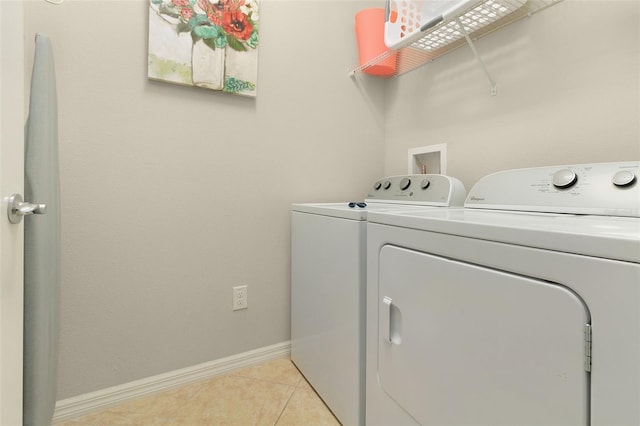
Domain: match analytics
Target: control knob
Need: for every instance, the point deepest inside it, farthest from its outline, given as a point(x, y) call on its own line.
point(386, 185)
point(377, 185)
point(425, 183)
point(564, 178)
point(624, 178)
point(405, 183)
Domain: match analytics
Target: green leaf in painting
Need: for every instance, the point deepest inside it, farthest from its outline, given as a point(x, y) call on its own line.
point(235, 44)
point(210, 42)
point(221, 41)
point(183, 27)
point(253, 40)
point(206, 31)
point(198, 19)
point(234, 85)
point(169, 11)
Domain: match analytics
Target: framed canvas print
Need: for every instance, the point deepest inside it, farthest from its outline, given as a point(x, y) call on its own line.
point(205, 43)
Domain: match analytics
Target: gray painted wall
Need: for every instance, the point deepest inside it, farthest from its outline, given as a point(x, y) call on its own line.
point(172, 195)
point(568, 92)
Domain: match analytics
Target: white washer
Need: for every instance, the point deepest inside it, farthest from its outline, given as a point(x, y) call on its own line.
point(523, 308)
point(328, 280)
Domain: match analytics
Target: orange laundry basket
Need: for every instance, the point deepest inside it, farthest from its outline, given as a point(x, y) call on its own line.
point(370, 36)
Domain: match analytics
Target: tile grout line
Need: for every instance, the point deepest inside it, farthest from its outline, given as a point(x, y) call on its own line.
point(294, 387)
point(239, 373)
point(285, 405)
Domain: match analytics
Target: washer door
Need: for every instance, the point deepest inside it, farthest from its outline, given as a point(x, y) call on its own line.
point(460, 344)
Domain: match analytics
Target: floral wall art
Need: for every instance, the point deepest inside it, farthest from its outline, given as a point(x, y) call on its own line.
point(205, 43)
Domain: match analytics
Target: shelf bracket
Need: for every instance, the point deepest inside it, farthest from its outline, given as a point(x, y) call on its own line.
point(494, 89)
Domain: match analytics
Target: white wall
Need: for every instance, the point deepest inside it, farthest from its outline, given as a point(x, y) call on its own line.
point(568, 92)
point(172, 195)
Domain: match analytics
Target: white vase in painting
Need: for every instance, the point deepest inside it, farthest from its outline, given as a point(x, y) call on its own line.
point(207, 66)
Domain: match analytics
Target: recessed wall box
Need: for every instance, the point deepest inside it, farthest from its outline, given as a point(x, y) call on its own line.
point(428, 159)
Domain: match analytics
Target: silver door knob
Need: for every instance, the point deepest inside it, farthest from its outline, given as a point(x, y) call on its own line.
point(17, 208)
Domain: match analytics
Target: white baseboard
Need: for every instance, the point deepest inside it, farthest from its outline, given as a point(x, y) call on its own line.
point(81, 405)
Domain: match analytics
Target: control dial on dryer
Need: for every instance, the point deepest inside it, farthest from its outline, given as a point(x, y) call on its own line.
point(564, 178)
point(425, 183)
point(624, 178)
point(405, 183)
point(386, 184)
point(377, 185)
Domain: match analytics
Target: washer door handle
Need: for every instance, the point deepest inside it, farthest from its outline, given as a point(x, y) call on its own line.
point(17, 208)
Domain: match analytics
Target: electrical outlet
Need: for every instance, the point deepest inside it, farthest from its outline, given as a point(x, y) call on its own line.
point(240, 297)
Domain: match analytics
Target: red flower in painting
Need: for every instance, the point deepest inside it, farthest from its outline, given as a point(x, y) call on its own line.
point(187, 13)
point(236, 24)
point(220, 23)
point(234, 5)
point(214, 11)
point(185, 8)
point(215, 16)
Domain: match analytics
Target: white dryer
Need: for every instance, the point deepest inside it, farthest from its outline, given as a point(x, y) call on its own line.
point(523, 308)
point(328, 280)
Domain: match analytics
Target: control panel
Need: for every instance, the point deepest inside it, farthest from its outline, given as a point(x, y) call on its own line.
point(610, 189)
point(427, 189)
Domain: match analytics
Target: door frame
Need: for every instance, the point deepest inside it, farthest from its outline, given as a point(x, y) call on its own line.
point(12, 114)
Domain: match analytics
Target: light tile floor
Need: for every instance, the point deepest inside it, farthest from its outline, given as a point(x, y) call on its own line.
point(273, 393)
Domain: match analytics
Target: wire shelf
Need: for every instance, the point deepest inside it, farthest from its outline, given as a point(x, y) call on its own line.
point(479, 20)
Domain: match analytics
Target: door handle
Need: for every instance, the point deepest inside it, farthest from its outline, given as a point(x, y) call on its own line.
point(391, 322)
point(386, 319)
point(17, 208)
